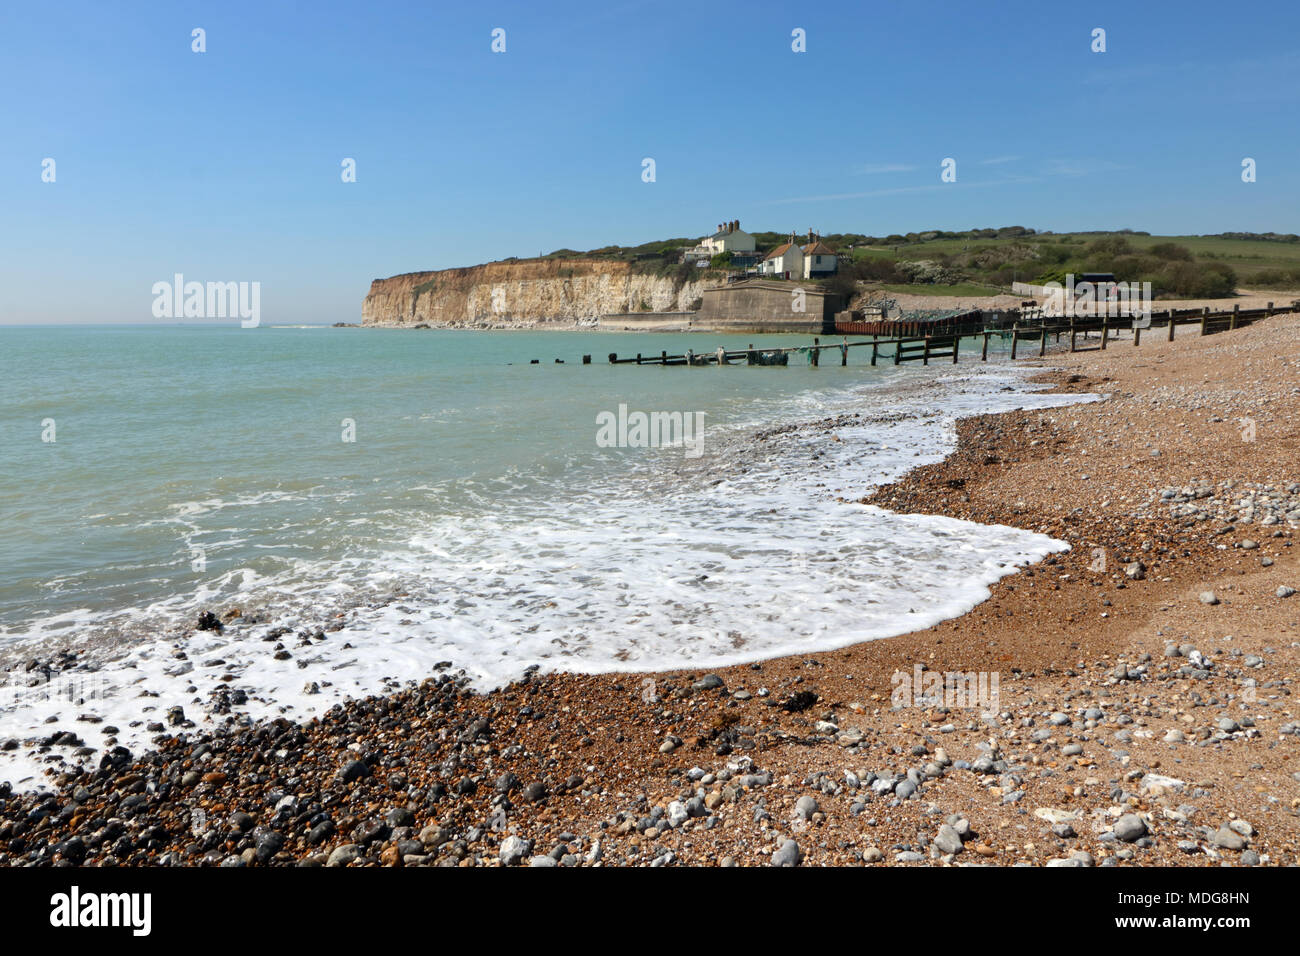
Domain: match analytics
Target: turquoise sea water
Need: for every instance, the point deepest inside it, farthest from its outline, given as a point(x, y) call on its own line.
point(473, 517)
point(230, 441)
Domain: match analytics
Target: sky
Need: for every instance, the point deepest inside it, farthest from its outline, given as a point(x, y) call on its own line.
point(227, 164)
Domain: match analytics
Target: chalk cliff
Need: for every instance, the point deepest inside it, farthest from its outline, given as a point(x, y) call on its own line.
point(525, 294)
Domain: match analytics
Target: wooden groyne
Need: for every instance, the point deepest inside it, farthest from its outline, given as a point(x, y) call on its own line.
point(941, 339)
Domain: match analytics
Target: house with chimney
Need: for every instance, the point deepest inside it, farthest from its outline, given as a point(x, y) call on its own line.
point(819, 259)
point(785, 261)
point(813, 260)
point(729, 237)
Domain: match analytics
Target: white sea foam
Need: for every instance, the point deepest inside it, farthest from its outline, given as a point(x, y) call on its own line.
point(754, 552)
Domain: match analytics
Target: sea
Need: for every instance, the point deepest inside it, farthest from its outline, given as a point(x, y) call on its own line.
point(364, 508)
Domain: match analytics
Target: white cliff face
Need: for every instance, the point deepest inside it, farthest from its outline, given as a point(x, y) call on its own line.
point(529, 294)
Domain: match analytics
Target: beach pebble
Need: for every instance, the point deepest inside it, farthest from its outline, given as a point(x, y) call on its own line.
point(1209, 597)
point(1228, 839)
point(788, 855)
point(353, 770)
point(805, 808)
point(677, 814)
point(344, 855)
point(1129, 827)
point(947, 840)
point(513, 849)
point(1242, 827)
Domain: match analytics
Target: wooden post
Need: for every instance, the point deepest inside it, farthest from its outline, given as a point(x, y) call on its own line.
point(844, 353)
point(638, 358)
point(1172, 324)
point(1236, 311)
point(613, 357)
point(1072, 334)
point(1042, 342)
point(1137, 335)
point(816, 352)
point(1105, 331)
point(663, 357)
point(1205, 318)
point(956, 341)
point(898, 349)
point(1270, 310)
point(984, 353)
point(875, 346)
point(586, 360)
point(1015, 337)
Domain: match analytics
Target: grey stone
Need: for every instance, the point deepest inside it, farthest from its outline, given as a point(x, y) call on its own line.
point(343, 855)
point(513, 849)
point(1229, 840)
point(1129, 827)
point(947, 840)
point(788, 855)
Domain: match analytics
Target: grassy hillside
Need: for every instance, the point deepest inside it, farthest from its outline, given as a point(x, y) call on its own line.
point(991, 259)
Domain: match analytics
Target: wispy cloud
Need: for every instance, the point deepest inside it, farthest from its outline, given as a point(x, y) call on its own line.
point(1081, 167)
point(998, 160)
point(898, 190)
point(872, 169)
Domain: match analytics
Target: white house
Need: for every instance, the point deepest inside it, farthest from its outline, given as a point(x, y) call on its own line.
point(819, 259)
point(786, 260)
point(729, 238)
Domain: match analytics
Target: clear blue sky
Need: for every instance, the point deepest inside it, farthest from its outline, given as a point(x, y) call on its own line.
point(225, 165)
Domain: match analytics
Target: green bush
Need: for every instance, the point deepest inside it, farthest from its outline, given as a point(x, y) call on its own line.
point(877, 269)
point(1171, 250)
point(1190, 280)
point(842, 284)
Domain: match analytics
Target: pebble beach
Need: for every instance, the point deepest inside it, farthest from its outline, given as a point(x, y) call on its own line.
point(1143, 716)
